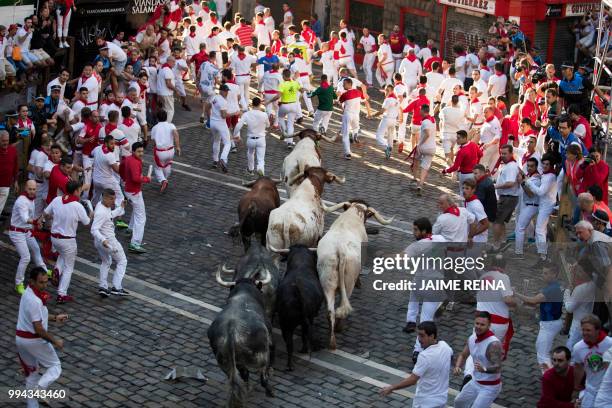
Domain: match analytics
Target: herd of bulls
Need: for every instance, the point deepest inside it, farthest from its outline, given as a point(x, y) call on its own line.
point(317, 267)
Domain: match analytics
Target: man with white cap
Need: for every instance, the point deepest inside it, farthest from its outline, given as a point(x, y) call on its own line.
point(103, 231)
point(20, 233)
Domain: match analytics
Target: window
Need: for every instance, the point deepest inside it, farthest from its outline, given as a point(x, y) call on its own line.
point(366, 13)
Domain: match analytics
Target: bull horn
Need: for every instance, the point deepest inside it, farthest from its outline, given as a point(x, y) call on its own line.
point(227, 270)
point(380, 218)
point(278, 251)
point(266, 280)
point(220, 280)
point(328, 138)
point(249, 183)
point(335, 207)
point(337, 179)
point(293, 179)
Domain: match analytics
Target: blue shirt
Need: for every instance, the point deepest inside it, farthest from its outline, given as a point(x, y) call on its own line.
point(564, 143)
point(268, 61)
point(552, 308)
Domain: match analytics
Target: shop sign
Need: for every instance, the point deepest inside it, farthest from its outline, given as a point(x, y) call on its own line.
point(482, 6)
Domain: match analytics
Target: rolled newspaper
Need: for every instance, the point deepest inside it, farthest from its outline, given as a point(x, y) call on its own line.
point(150, 171)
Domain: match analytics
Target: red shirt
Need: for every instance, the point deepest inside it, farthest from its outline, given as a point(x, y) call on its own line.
point(131, 173)
point(397, 42)
point(57, 180)
point(557, 390)
point(467, 157)
point(594, 174)
point(415, 108)
point(245, 35)
point(9, 166)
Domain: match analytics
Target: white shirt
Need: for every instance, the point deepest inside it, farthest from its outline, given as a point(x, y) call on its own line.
point(447, 85)
point(492, 301)
point(56, 81)
point(391, 108)
point(451, 120)
point(508, 173)
point(477, 210)
point(23, 210)
point(498, 84)
point(242, 67)
point(452, 227)
point(31, 309)
point(115, 52)
point(103, 226)
point(433, 369)
point(591, 360)
point(163, 74)
point(604, 395)
point(103, 172)
point(66, 217)
point(256, 122)
point(490, 130)
point(547, 190)
point(368, 43)
point(163, 135)
point(218, 105)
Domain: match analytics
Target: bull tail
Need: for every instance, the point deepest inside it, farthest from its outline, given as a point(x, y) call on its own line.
point(237, 392)
point(345, 307)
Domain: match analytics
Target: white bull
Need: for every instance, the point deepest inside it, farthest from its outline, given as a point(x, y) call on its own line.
point(300, 220)
point(305, 154)
point(339, 257)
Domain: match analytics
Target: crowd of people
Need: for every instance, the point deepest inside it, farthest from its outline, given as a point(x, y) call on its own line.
point(516, 138)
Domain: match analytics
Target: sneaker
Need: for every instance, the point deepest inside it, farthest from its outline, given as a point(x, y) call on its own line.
point(234, 150)
point(119, 292)
point(164, 186)
point(19, 288)
point(104, 292)
point(121, 224)
point(64, 299)
point(410, 327)
point(415, 357)
point(223, 166)
point(214, 165)
point(347, 156)
point(137, 249)
point(388, 152)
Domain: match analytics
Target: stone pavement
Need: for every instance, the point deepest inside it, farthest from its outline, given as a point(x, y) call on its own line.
point(118, 350)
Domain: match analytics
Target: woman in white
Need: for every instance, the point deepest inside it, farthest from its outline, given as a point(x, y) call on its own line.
point(257, 122)
point(219, 129)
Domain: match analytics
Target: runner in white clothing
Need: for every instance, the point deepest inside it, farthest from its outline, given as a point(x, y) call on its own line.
point(257, 122)
point(431, 371)
point(20, 233)
point(35, 345)
point(166, 140)
point(103, 231)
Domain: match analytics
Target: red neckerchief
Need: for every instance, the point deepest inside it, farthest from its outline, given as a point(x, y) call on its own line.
point(472, 198)
point(128, 122)
point(484, 336)
point(324, 85)
point(490, 118)
point(27, 196)
point(192, 35)
point(69, 198)
point(600, 338)
point(454, 210)
point(106, 150)
point(41, 294)
point(241, 55)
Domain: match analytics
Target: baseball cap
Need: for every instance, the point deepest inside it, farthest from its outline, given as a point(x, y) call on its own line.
point(601, 216)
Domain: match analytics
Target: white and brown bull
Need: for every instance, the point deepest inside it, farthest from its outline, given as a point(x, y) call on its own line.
point(300, 219)
point(339, 257)
point(305, 154)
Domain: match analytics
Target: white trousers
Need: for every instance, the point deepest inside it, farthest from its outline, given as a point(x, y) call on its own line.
point(256, 146)
point(67, 250)
point(220, 133)
point(33, 354)
point(138, 218)
point(388, 70)
point(107, 255)
point(63, 23)
point(546, 337)
point(490, 156)
point(25, 244)
point(321, 119)
point(305, 83)
point(271, 107)
point(385, 133)
point(165, 158)
point(476, 395)
point(350, 125)
point(368, 62)
point(167, 104)
point(287, 112)
point(243, 83)
point(4, 193)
